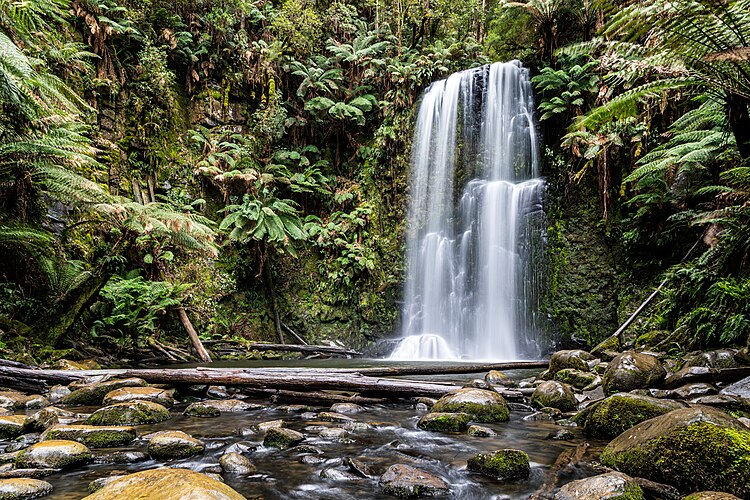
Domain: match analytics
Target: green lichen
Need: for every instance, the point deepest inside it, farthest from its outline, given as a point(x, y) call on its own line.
point(95, 439)
point(501, 464)
point(444, 422)
point(201, 410)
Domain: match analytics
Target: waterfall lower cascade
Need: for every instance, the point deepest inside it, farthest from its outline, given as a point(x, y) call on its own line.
point(476, 224)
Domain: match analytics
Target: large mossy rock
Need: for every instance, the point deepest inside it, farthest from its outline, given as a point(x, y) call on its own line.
point(577, 378)
point(236, 463)
point(693, 449)
point(53, 454)
point(48, 417)
point(132, 413)
point(279, 437)
point(611, 417)
point(16, 401)
point(501, 464)
point(23, 488)
point(482, 405)
point(553, 394)
point(610, 486)
point(405, 481)
point(93, 394)
point(12, 426)
point(572, 358)
point(444, 422)
point(93, 436)
point(164, 397)
point(174, 444)
point(632, 370)
point(166, 484)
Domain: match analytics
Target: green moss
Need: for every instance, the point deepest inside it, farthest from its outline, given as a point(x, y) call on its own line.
point(444, 422)
point(104, 438)
point(133, 413)
point(700, 456)
point(501, 464)
point(279, 437)
point(576, 378)
point(201, 410)
point(486, 411)
point(618, 413)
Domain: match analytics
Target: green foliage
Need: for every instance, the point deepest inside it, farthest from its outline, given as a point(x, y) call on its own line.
point(570, 89)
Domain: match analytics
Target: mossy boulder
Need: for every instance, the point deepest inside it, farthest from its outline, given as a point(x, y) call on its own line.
point(632, 370)
point(23, 488)
point(236, 463)
point(607, 349)
point(711, 495)
point(444, 422)
point(482, 405)
point(405, 481)
point(214, 408)
point(720, 358)
point(164, 397)
point(612, 486)
point(611, 417)
point(496, 377)
point(501, 464)
point(12, 426)
point(132, 413)
point(572, 358)
point(53, 454)
point(174, 444)
point(48, 417)
point(201, 410)
point(282, 438)
point(576, 378)
point(166, 484)
point(694, 449)
point(551, 393)
point(92, 436)
point(93, 394)
point(14, 400)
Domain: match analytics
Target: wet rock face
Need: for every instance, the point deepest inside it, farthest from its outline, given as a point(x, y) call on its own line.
point(53, 454)
point(23, 488)
point(480, 431)
point(236, 463)
point(695, 449)
point(554, 394)
point(93, 394)
point(739, 389)
point(501, 464)
point(404, 481)
point(279, 437)
point(91, 435)
point(720, 358)
point(444, 422)
point(132, 413)
point(164, 397)
point(166, 484)
point(632, 370)
point(482, 405)
point(613, 485)
point(577, 378)
point(174, 444)
point(572, 358)
point(609, 418)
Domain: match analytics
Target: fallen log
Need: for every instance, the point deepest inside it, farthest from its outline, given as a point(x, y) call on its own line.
point(311, 349)
point(316, 398)
point(448, 369)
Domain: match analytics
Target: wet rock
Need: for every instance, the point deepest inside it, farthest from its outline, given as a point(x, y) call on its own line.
point(166, 484)
point(210, 408)
point(478, 383)
point(607, 349)
point(724, 401)
point(217, 391)
point(6, 458)
point(164, 397)
point(429, 402)
point(555, 413)
point(22, 442)
point(554, 394)
point(12, 426)
point(306, 448)
point(93, 394)
point(311, 460)
point(693, 391)
point(47, 417)
point(91, 435)
point(613, 485)
point(327, 416)
point(740, 389)
point(561, 435)
point(347, 408)
point(501, 464)
point(480, 431)
point(482, 405)
point(538, 416)
point(360, 468)
point(132, 413)
point(421, 407)
point(609, 418)
point(573, 358)
point(576, 378)
point(236, 463)
point(308, 415)
point(335, 433)
point(632, 370)
point(695, 449)
point(174, 444)
point(120, 457)
point(282, 438)
point(294, 408)
point(404, 481)
point(27, 473)
point(201, 410)
point(444, 422)
point(23, 488)
point(338, 475)
point(720, 358)
point(496, 377)
point(711, 495)
point(689, 374)
point(100, 483)
point(86, 364)
point(53, 454)
point(16, 401)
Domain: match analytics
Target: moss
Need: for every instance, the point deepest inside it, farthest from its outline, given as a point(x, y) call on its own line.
point(12, 426)
point(53, 454)
point(133, 413)
point(696, 457)
point(576, 378)
point(94, 438)
point(201, 410)
point(618, 413)
point(444, 422)
point(482, 405)
point(501, 464)
point(279, 437)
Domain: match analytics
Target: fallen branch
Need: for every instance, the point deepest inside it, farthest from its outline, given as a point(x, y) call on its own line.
point(202, 353)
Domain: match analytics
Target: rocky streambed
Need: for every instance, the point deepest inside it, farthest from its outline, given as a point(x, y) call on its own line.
point(635, 426)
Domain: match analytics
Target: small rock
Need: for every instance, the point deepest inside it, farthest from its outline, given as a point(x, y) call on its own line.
point(14, 400)
point(209, 408)
point(577, 378)
point(501, 464)
point(554, 394)
point(409, 482)
point(360, 468)
point(327, 416)
point(22, 442)
point(482, 405)
point(235, 463)
point(480, 431)
point(334, 433)
point(164, 397)
point(740, 389)
point(721, 358)
point(56, 393)
point(174, 444)
point(347, 408)
point(538, 416)
point(91, 435)
point(613, 485)
point(294, 408)
point(282, 438)
point(711, 495)
point(561, 435)
point(264, 426)
point(479, 383)
point(12, 426)
point(27, 473)
point(93, 394)
point(694, 390)
point(496, 377)
point(311, 460)
point(23, 488)
point(444, 422)
point(132, 413)
point(217, 391)
point(337, 475)
point(120, 457)
point(47, 417)
point(429, 402)
point(53, 454)
point(688, 375)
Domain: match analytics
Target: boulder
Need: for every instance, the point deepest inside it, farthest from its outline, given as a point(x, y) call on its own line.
point(695, 449)
point(610, 486)
point(739, 389)
point(501, 464)
point(576, 378)
point(164, 397)
point(554, 394)
point(132, 413)
point(689, 374)
point(711, 495)
point(611, 417)
point(444, 422)
point(496, 377)
point(347, 408)
point(480, 431)
point(405, 481)
point(632, 370)
point(214, 408)
point(47, 417)
point(174, 444)
point(53, 454)
point(482, 405)
point(572, 358)
point(328, 416)
point(166, 484)
point(16, 401)
point(12, 426)
point(282, 438)
point(236, 463)
point(720, 358)
point(93, 394)
point(23, 488)
point(93, 436)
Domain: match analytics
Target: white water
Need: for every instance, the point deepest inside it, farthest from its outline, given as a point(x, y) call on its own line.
point(475, 220)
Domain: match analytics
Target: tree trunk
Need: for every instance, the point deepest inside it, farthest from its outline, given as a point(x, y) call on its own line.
point(739, 121)
point(272, 297)
point(202, 353)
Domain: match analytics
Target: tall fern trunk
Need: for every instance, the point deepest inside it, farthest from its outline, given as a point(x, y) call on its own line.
point(274, 304)
point(739, 120)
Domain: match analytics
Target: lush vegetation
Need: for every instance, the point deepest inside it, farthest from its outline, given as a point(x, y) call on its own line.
point(247, 160)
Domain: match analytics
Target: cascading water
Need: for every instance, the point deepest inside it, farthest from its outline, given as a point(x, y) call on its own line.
point(475, 220)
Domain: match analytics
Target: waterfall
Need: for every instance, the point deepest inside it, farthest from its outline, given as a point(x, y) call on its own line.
point(476, 225)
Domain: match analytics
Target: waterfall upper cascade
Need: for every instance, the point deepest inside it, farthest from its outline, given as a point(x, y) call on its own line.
point(476, 223)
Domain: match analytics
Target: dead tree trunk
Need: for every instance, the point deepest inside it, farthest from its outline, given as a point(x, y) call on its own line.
point(202, 353)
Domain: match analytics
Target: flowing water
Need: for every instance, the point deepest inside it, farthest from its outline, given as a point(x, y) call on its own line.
point(475, 220)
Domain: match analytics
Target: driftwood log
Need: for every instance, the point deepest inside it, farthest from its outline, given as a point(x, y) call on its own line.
point(305, 349)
